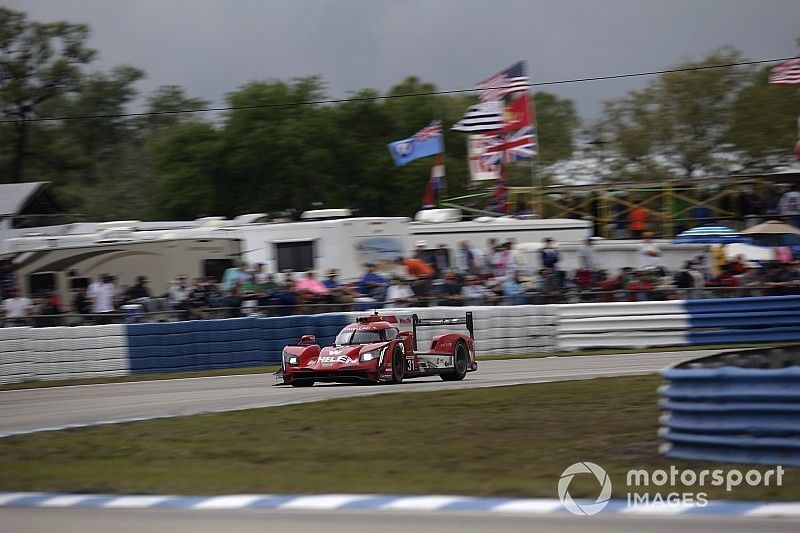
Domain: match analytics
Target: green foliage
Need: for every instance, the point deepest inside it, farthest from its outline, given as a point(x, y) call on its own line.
point(556, 120)
point(38, 62)
point(764, 119)
point(681, 117)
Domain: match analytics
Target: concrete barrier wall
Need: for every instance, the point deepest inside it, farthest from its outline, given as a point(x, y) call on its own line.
point(28, 354)
point(621, 325)
point(87, 351)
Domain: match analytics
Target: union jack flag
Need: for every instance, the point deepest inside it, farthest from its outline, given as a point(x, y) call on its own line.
point(434, 128)
point(508, 148)
point(511, 80)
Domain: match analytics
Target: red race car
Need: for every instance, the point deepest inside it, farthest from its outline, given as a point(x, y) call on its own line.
point(374, 349)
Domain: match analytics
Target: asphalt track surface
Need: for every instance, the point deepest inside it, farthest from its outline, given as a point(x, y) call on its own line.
point(32, 410)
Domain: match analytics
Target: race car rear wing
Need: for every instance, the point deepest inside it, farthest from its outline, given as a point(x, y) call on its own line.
point(422, 322)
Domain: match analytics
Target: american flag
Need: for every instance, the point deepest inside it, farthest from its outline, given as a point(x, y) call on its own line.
point(507, 148)
point(511, 80)
point(787, 73)
point(432, 129)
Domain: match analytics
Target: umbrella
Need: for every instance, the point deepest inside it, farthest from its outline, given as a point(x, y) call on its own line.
point(710, 234)
point(750, 252)
point(775, 233)
point(772, 227)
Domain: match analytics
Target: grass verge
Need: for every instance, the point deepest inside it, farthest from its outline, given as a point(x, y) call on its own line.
point(505, 441)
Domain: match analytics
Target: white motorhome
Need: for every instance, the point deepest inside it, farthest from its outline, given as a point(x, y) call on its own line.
point(320, 242)
point(444, 226)
point(61, 264)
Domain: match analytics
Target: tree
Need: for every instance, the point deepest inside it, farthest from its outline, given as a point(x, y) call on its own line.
point(38, 62)
point(680, 120)
point(764, 122)
point(556, 120)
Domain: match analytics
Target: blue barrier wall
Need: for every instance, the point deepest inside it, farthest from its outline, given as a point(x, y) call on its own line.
point(228, 343)
point(730, 414)
point(744, 320)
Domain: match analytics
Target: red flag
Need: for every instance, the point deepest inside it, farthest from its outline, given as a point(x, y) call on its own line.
point(517, 113)
point(787, 73)
point(435, 183)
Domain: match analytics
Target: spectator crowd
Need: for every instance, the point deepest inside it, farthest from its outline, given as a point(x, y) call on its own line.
point(430, 276)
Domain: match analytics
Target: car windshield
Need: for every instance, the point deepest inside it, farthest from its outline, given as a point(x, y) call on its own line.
point(358, 336)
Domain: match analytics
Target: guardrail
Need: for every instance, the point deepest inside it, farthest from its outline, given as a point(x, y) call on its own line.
point(741, 407)
point(85, 351)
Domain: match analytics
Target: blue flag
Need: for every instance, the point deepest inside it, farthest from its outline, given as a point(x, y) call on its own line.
point(426, 142)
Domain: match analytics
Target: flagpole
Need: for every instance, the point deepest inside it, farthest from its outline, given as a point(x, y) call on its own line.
point(534, 165)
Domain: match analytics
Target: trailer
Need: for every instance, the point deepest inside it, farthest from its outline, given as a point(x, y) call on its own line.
point(62, 264)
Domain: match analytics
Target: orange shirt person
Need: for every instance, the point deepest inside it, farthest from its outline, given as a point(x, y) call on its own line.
point(637, 220)
point(418, 268)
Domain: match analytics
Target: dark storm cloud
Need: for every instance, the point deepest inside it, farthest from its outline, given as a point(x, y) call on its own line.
point(213, 47)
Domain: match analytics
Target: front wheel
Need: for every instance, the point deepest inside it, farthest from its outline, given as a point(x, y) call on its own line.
point(398, 365)
point(460, 364)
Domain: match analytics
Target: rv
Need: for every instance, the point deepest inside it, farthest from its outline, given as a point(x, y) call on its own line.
point(62, 264)
point(321, 242)
point(435, 227)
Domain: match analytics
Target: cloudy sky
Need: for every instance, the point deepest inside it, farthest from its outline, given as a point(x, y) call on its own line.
point(212, 47)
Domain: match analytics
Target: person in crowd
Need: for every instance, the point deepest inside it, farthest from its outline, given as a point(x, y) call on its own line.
point(648, 253)
point(420, 274)
point(587, 255)
point(641, 287)
point(285, 298)
point(449, 292)
point(103, 296)
point(179, 291)
point(49, 314)
point(475, 293)
point(465, 259)
point(503, 262)
point(789, 206)
point(548, 286)
point(371, 284)
point(17, 310)
point(513, 290)
point(139, 289)
point(233, 302)
point(637, 221)
point(233, 276)
point(260, 274)
point(81, 303)
point(441, 260)
point(549, 254)
point(197, 303)
point(399, 293)
point(312, 291)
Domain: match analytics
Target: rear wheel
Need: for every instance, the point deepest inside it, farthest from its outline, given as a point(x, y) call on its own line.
point(398, 365)
point(460, 364)
point(302, 383)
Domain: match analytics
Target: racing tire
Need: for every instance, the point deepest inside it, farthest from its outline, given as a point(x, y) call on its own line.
point(302, 383)
point(460, 364)
point(398, 366)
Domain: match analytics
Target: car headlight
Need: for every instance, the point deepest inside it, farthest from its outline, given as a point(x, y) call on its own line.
point(372, 355)
point(291, 359)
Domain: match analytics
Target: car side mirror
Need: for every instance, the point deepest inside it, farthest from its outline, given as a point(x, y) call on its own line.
point(306, 340)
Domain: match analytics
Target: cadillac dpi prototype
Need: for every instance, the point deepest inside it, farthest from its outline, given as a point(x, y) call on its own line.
point(374, 350)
